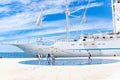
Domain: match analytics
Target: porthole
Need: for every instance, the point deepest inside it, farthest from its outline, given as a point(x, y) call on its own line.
point(103, 37)
point(84, 39)
point(111, 36)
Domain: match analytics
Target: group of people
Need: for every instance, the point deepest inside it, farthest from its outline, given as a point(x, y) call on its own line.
point(50, 58)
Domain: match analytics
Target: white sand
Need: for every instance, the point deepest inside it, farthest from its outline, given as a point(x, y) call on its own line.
point(10, 69)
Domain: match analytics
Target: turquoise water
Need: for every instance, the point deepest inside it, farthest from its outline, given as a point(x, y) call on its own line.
point(16, 55)
point(70, 62)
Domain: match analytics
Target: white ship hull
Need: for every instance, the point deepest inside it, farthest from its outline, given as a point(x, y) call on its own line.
point(104, 47)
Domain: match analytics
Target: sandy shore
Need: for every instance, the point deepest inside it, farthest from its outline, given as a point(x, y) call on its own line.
point(11, 69)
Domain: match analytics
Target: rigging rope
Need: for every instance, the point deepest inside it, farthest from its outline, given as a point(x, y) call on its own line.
point(83, 18)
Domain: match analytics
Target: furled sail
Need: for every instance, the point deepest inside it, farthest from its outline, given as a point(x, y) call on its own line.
point(39, 20)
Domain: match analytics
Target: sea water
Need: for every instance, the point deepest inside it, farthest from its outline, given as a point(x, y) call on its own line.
point(16, 55)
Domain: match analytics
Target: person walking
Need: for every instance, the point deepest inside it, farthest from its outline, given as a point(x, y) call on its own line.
point(53, 59)
point(89, 57)
point(48, 59)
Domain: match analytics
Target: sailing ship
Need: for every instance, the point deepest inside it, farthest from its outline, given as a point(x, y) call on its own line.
point(101, 44)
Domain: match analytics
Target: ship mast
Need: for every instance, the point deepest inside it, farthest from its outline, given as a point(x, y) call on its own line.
point(113, 15)
point(67, 21)
point(115, 23)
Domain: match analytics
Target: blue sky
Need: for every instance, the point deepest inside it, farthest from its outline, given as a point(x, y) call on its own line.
point(18, 19)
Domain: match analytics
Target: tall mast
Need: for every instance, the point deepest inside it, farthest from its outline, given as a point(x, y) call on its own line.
point(67, 21)
point(113, 15)
point(116, 15)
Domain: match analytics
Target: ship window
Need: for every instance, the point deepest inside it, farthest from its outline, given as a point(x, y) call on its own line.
point(114, 55)
point(75, 40)
point(84, 39)
point(97, 37)
point(85, 36)
point(111, 36)
point(103, 37)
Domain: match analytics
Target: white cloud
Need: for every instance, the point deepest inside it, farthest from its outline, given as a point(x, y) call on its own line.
point(95, 4)
point(9, 48)
point(5, 1)
point(59, 26)
point(17, 22)
point(84, 6)
point(24, 1)
point(2, 38)
point(98, 24)
point(48, 6)
point(10, 1)
point(26, 19)
point(4, 9)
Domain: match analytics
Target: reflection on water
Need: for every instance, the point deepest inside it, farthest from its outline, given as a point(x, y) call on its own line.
point(70, 62)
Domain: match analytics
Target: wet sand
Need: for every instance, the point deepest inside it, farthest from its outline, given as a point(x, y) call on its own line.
point(11, 69)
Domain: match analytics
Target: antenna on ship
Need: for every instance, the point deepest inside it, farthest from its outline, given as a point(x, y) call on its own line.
point(67, 21)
